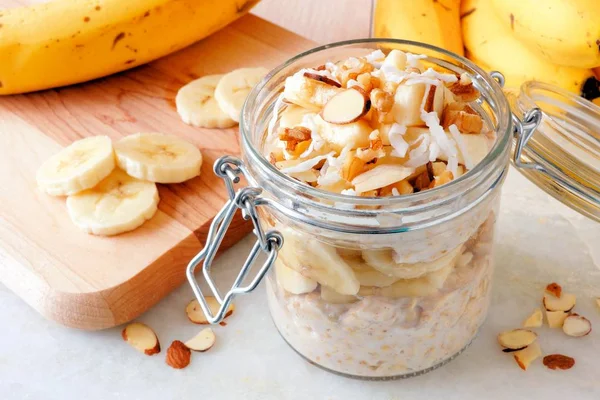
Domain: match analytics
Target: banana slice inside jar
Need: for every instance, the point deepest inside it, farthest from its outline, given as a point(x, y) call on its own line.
point(383, 261)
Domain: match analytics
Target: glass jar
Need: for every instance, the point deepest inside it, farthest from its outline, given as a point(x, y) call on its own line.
point(373, 288)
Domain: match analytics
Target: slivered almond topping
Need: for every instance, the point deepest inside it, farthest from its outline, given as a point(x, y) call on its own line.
point(559, 361)
point(203, 341)
point(322, 78)
point(566, 302)
point(142, 338)
point(465, 122)
point(535, 320)
point(575, 325)
point(196, 315)
point(556, 318)
point(466, 92)
point(428, 107)
point(346, 106)
point(527, 355)
point(516, 339)
point(554, 288)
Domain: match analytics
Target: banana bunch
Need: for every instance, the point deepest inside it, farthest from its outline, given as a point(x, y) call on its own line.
point(432, 22)
point(554, 41)
point(105, 200)
point(61, 42)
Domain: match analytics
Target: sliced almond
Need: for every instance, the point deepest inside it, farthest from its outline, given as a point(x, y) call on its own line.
point(575, 325)
point(346, 107)
point(142, 338)
point(556, 318)
point(321, 78)
point(559, 361)
point(565, 302)
point(196, 315)
point(203, 341)
point(527, 355)
point(554, 289)
point(516, 339)
point(535, 320)
point(178, 355)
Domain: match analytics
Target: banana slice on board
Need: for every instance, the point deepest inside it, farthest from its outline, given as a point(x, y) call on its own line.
point(366, 275)
point(233, 88)
point(318, 261)
point(426, 285)
point(383, 261)
point(120, 203)
point(197, 106)
point(77, 167)
point(158, 158)
point(292, 281)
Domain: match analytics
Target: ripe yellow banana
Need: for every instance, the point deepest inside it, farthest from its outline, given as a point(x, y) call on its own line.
point(69, 41)
point(565, 32)
point(435, 22)
point(495, 47)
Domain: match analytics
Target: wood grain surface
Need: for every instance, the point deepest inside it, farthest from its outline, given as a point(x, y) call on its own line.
point(94, 282)
point(323, 21)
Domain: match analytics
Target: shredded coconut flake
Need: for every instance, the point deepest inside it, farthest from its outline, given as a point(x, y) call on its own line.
point(461, 145)
point(431, 73)
point(395, 192)
point(377, 55)
point(352, 82)
point(413, 60)
point(305, 165)
point(419, 155)
point(453, 165)
point(437, 133)
point(392, 73)
point(434, 151)
point(397, 141)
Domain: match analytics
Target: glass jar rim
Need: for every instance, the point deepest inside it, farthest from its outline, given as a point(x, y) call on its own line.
point(503, 139)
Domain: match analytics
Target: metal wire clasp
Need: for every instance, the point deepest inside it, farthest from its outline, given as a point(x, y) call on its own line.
point(229, 169)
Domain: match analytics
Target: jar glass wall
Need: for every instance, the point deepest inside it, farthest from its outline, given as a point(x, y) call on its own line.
point(379, 287)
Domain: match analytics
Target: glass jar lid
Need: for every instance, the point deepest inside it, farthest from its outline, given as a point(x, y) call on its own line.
point(561, 156)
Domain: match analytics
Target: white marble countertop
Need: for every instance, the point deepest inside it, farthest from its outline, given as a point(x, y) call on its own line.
point(538, 241)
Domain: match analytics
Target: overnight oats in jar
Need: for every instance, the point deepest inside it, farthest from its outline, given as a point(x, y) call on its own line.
point(380, 164)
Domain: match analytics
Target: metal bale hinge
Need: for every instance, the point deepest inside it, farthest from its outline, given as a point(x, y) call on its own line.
point(245, 199)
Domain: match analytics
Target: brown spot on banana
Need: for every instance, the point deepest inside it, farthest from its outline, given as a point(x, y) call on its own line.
point(147, 13)
point(117, 39)
point(512, 21)
point(445, 7)
point(468, 12)
point(86, 19)
point(97, 8)
point(130, 61)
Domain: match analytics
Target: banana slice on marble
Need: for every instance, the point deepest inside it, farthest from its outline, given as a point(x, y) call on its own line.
point(158, 158)
point(383, 261)
point(197, 106)
point(426, 285)
point(119, 203)
point(77, 167)
point(233, 88)
point(318, 261)
point(293, 281)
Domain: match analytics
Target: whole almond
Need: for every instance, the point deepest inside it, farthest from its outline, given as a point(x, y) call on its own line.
point(178, 355)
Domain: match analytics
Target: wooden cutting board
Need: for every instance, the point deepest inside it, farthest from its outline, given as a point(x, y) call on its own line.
point(91, 282)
